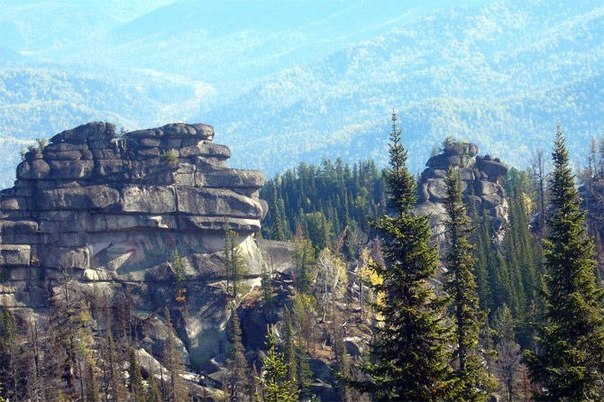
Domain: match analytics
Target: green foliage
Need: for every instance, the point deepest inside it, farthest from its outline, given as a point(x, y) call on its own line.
point(325, 200)
point(234, 264)
point(153, 394)
point(178, 267)
point(237, 383)
point(136, 379)
point(304, 264)
point(410, 349)
point(522, 251)
point(471, 380)
point(302, 310)
point(317, 228)
point(170, 157)
point(275, 383)
point(568, 363)
point(400, 184)
point(266, 281)
point(174, 363)
point(8, 346)
point(447, 142)
point(508, 367)
point(42, 143)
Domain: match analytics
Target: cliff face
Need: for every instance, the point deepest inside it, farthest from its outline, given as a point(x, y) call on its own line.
point(130, 213)
point(482, 186)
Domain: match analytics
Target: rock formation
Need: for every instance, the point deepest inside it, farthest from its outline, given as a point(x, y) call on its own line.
point(482, 180)
point(119, 211)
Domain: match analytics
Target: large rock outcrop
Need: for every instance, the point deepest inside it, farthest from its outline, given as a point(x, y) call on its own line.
point(482, 185)
point(125, 213)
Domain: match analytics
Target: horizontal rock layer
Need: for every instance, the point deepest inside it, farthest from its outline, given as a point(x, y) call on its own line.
point(167, 185)
point(145, 211)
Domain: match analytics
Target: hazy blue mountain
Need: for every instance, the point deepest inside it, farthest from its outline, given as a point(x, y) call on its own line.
point(501, 75)
point(284, 81)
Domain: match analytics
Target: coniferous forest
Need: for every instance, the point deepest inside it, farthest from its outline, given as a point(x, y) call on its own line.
point(301, 200)
point(507, 308)
point(373, 305)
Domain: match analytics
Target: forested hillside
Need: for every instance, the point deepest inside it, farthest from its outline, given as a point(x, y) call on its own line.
point(303, 83)
point(275, 237)
point(320, 317)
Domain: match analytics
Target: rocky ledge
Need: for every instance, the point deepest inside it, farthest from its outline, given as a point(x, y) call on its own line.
point(128, 211)
point(482, 185)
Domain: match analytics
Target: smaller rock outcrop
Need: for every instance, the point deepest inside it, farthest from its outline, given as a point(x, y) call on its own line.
point(482, 186)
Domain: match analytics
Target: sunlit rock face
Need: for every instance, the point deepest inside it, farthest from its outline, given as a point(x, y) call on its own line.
point(117, 211)
point(482, 185)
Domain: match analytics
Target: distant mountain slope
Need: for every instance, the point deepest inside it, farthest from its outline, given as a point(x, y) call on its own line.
point(502, 75)
point(304, 80)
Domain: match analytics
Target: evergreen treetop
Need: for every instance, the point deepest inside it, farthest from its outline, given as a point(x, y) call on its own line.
point(400, 183)
point(410, 348)
point(569, 361)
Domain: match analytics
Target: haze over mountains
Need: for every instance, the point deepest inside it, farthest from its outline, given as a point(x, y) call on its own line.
point(285, 81)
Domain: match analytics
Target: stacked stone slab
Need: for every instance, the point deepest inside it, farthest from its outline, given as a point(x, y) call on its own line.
point(111, 207)
point(482, 185)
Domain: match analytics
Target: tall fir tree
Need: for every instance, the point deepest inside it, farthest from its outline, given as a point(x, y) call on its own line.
point(234, 264)
point(173, 361)
point(568, 363)
point(472, 381)
point(410, 349)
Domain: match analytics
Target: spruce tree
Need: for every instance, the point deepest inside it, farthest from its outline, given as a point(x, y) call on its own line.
point(472, 382)
point(234, 264)
point(237, 385)
point(276, 386)
point(568, 363)
point(137, 389)
point(153, 394)
point(410, 349)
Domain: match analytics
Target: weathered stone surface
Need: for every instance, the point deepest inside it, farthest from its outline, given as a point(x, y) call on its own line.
point(14, 254)
point(437, 189)
point(109, 167)
point(483, 187)
point(149, 199)
point(492, 201)
point(14, 204)
point(35, 169)
point(480, 183)
point(430, 173)
point(493, 169)
point(461, 148)
point(89, 197)
point(201, 131)
point(231, 178)
point(214, 223)
point(64, 257)
point(74, 169)
point(20, 227)
point(115, 212)
point(442, 161)
point(217, 202)
point(81, 134)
